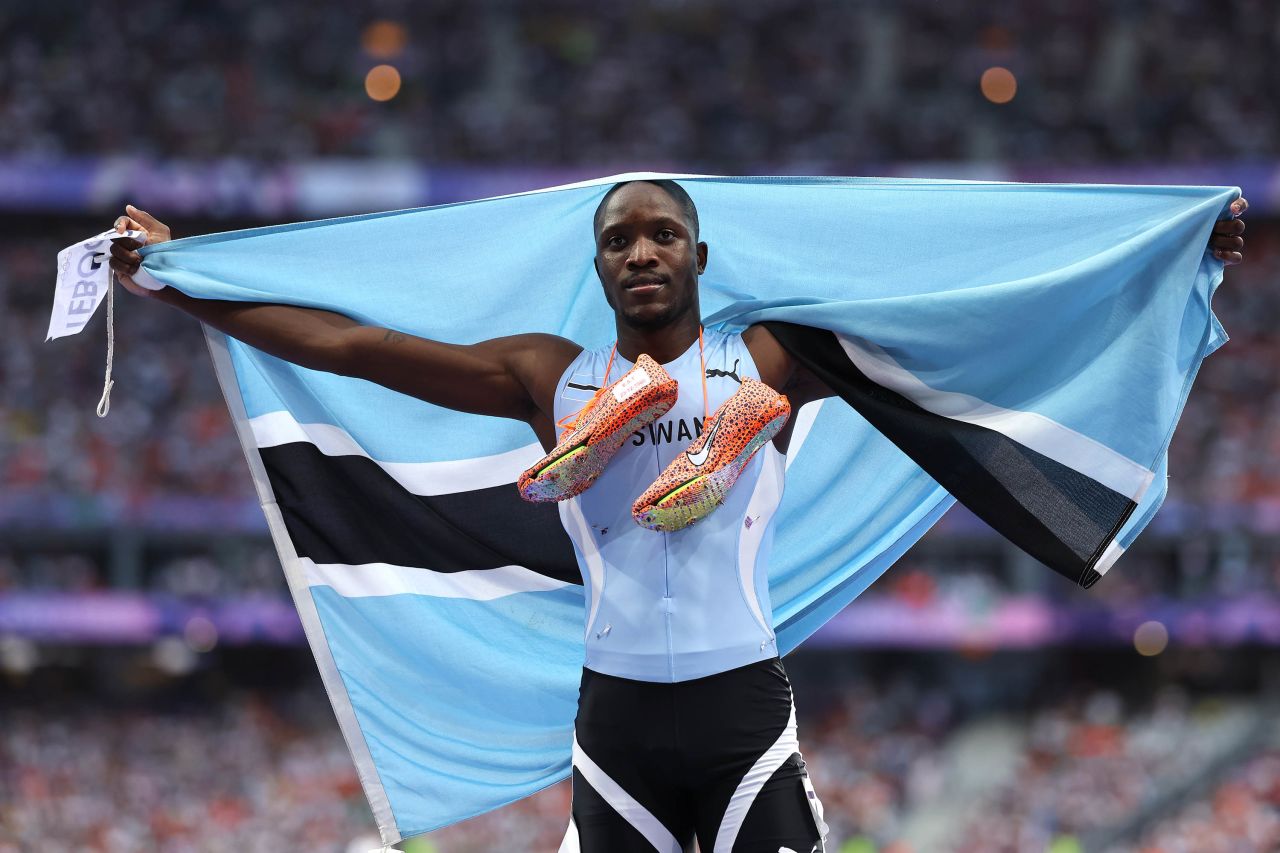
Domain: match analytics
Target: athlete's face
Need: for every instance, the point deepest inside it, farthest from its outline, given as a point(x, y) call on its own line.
point(647, 257)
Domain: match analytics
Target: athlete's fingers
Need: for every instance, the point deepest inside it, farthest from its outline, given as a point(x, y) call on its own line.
point(1239, 206)
point(124, 253)
point(123, 267)
point(124, 274)
point(144, 219)
point(157, 231)
point(125, 223)
point(1225, 241)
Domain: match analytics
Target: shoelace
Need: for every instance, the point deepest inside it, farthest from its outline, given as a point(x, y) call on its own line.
point(567, 428)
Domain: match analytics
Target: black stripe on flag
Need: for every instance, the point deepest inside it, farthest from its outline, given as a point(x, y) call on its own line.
point(1061, 517)
point(346, 509)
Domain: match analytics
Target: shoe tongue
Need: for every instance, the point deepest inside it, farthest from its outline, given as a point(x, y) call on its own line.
point(635, 379)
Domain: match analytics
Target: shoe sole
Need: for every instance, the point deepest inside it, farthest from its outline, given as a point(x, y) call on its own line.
point(668, 513)
point(582, 464)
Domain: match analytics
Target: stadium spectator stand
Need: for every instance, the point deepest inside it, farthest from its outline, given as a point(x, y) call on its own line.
point(730, 85)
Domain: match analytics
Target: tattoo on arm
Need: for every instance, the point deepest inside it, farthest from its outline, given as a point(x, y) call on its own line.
point(393, 337)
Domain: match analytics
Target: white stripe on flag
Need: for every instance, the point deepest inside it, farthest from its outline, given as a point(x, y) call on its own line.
point(1114, 551)
point(366, 770)
point(420, 478)
point(803, 423)
point(1043, 435)
point(374, 579)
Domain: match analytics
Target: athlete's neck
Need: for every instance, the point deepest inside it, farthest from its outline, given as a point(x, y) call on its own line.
point(663, 344)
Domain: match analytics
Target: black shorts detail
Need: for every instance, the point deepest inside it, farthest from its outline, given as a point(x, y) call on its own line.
point(780, 815)
point(706, 758)
point(607, 829)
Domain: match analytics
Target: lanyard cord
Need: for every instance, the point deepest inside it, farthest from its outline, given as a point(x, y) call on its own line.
point(566, 428)
point(702, 359)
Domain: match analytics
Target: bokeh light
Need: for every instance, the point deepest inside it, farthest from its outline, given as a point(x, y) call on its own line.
point(999, 85)
point(201, 634)
point(384, 39)
point(382, 83)
point(1151, 638)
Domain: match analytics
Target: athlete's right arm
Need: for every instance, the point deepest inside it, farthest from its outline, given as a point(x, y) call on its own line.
point(512, 377)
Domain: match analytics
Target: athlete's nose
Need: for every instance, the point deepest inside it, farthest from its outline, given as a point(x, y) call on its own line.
point(641, 255)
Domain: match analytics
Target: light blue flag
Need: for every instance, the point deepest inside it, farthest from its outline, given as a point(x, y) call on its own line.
point(1026, 349)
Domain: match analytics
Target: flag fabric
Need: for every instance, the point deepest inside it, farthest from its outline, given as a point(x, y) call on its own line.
point(1026, 349)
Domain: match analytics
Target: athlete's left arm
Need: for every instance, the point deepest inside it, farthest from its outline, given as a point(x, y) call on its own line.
point(782, 371)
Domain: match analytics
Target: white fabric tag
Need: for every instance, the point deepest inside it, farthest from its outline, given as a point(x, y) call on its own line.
point(83, 278)
point(628, 385)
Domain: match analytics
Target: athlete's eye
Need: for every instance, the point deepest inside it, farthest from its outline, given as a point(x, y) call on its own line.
point(616, 242)
point(666, 234)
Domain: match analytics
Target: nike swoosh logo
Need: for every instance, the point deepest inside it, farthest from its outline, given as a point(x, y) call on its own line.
point(701, 456)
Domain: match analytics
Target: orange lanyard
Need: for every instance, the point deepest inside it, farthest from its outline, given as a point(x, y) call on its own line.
point(566, 428)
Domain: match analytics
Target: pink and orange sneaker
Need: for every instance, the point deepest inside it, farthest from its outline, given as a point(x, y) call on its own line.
point(696, 481)
point(644, 393)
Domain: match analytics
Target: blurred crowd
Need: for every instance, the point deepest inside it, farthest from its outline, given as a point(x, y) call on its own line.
point(259, 774)
point(699, 82)
point(1092, 766)
point(240, 778)
point(1226, 451)
point(1242, 813)
point(168, 432)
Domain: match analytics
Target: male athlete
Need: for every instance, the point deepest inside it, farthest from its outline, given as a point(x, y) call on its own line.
point(685, 725)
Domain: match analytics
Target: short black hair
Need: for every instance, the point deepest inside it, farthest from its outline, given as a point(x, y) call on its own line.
point(668, 186)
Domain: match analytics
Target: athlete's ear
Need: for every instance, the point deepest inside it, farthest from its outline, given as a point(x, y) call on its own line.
point(702, 258)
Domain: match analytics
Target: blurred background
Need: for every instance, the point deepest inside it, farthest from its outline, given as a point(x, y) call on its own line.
point(155, 689)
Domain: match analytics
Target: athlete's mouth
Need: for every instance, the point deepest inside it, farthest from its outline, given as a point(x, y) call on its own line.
point(643, 283)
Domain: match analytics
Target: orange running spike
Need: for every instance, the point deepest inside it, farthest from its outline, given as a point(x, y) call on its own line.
point(696, 481)
point(644, 393)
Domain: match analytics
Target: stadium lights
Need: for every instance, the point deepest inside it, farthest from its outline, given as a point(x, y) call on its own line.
point(382, 83)
point(998, 85)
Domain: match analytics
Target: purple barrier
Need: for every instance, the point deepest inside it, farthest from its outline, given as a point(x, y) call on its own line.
point(873, 622)
point(124, 617)
point(1033, 622)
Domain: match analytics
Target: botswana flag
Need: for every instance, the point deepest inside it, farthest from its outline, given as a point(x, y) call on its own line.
point(1026, 349)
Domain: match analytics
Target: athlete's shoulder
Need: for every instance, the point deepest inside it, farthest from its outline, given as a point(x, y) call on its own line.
point(781, 370)
point(538, 360)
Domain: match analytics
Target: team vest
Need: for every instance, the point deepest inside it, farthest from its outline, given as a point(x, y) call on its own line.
point(673, 606)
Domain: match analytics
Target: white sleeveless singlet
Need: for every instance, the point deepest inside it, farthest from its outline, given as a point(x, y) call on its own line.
point(673, 606)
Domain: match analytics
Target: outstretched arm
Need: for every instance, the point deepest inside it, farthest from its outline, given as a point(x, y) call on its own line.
point(512, 377)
